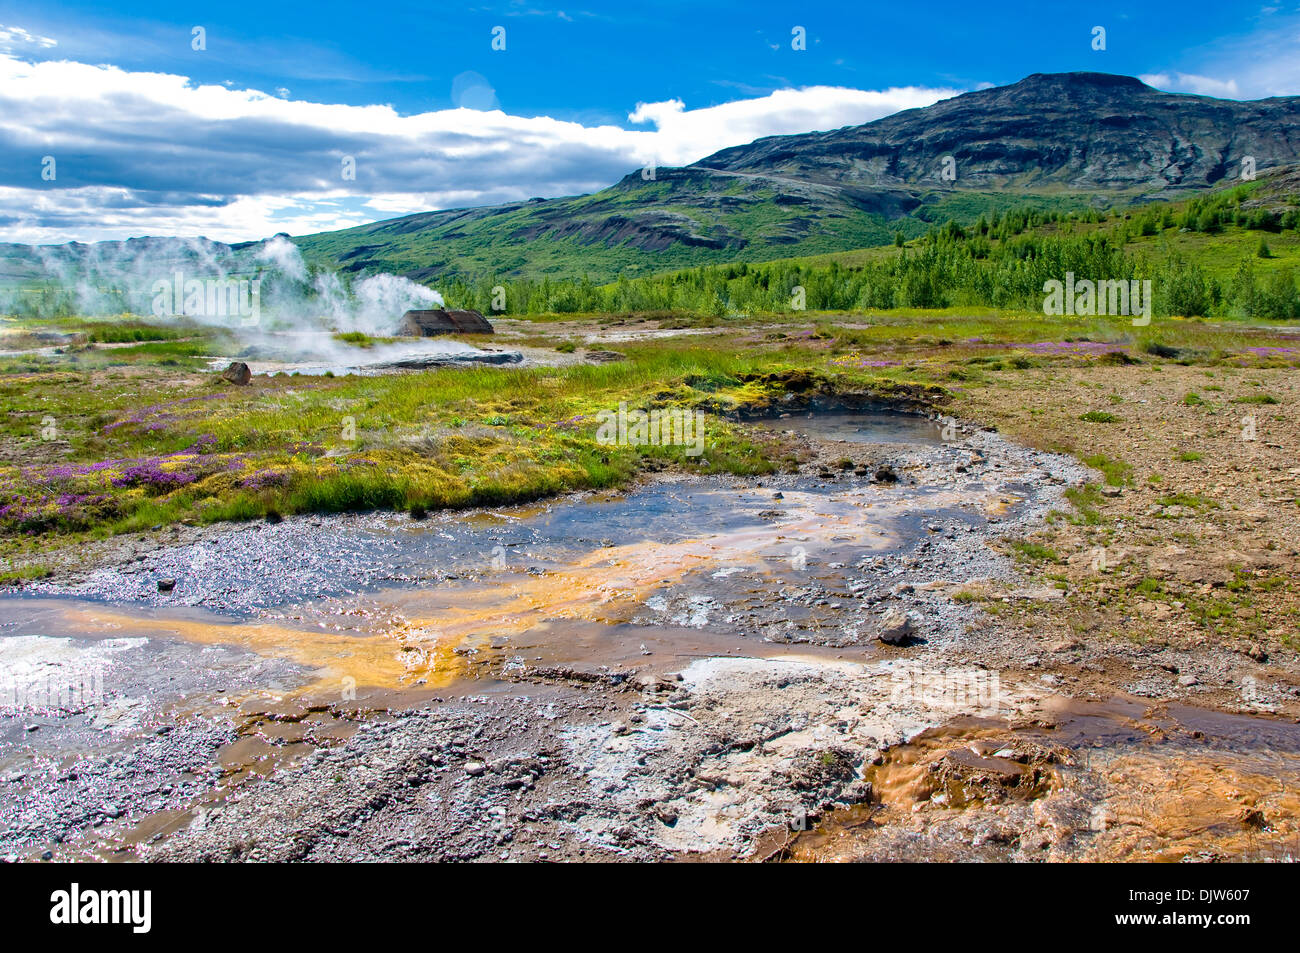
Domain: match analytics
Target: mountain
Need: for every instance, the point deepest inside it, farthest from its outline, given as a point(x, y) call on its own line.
point(1090, 132)
point(1063, 140)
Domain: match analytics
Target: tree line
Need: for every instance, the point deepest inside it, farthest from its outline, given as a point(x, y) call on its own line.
point(994, 263)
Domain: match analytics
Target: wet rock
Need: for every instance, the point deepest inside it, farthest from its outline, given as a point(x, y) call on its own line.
point(1252, 817)
point(886, 474)
point(1039, 594)
point(814, 770)
point(237, 373)
point(425, 362)
point(895, 627)
point(665, 815)
point(657, 683)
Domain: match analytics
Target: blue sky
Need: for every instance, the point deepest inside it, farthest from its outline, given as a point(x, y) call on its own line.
point(150, 136)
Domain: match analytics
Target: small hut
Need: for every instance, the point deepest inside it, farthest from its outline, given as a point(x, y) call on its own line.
point(426, 324)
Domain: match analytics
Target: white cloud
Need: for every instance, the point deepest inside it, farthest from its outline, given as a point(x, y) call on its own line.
point(156, 153)
point(1254, 65)
point(684, 136)
point(1191, 83)
point(15, 37)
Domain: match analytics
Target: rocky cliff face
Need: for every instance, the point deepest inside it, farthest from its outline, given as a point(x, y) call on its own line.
point(1086, 131)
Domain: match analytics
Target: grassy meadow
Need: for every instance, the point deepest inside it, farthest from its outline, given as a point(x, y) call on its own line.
point(116, 440)
point(115, 425)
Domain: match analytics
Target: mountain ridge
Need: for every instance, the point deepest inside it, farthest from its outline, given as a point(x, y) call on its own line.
point(1066, 140)
point(1061, 141)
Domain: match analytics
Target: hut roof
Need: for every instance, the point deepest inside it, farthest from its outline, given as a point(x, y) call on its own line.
point(426, 323)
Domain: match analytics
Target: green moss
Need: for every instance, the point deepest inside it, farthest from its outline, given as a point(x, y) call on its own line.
point(1086, 499)
point(1117, 472)
point(1034, 552)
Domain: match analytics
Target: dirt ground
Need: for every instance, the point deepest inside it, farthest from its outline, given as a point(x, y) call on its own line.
point(1202, 561)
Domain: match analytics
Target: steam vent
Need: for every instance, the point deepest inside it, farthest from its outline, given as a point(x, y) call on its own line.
point(425, 324)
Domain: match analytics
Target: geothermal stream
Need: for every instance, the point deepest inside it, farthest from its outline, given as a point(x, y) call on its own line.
point(685, 669)
point(314, 352)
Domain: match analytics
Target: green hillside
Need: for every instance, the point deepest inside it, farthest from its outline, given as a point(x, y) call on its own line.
point(1233, 252)
point(683, 218)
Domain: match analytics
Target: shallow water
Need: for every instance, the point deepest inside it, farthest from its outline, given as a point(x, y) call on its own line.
point(366, 597)
point(260, 566)
point(320, 616)
point(879, 426)
point(325, 607)
point(315, 353)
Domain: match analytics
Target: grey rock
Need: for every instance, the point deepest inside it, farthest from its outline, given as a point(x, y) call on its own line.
point(895, 627)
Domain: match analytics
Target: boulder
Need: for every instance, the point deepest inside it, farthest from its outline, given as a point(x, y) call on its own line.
point(895, 627)
point(432, 322)
point(237, 373)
